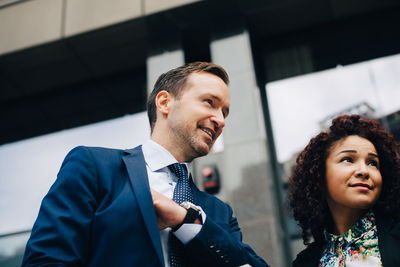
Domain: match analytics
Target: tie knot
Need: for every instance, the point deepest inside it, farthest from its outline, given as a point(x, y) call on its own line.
point(179, 170)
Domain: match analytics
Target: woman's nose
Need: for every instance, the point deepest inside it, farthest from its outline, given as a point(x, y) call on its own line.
point(362, 171)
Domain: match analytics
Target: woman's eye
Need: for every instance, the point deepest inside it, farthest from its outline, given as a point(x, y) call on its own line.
point(209, 101)
point(373, 163)
point(346, 159)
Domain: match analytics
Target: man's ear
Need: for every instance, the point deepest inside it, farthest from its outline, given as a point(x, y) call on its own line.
point(163, 101)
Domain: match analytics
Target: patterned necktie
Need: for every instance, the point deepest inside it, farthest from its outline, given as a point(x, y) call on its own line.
point(182, 193)
point(182, 190)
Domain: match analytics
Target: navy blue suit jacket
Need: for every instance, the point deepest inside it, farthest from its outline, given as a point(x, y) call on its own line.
point(99, 212)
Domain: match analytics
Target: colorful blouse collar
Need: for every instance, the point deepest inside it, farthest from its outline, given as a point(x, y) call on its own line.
point(364, 226)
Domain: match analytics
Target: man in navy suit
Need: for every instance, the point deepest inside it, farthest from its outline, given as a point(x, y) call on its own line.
point(112, 207)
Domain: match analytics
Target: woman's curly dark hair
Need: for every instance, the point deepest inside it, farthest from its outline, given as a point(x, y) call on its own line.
point(307, 183)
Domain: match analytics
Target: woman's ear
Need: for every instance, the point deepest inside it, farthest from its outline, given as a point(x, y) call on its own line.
point(163, 99)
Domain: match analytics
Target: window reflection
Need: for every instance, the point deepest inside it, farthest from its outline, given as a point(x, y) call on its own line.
point(301, 106)
point(12, 247)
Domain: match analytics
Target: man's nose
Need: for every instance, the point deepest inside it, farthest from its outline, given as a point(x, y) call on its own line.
point(219, 119)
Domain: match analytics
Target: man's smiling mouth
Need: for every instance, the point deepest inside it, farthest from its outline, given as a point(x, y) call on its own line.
point(207, 131)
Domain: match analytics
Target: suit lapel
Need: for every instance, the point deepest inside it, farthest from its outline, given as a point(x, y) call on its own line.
point(137, 172)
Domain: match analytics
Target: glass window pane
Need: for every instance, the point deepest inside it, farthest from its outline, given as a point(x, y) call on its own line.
point(301, 106)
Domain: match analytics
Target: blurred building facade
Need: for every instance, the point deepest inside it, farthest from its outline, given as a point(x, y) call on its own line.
point(68, 63)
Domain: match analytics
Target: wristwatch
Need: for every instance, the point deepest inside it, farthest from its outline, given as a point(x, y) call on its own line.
point(193, 212)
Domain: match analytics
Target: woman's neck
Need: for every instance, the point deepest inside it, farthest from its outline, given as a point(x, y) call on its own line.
point(344, 219)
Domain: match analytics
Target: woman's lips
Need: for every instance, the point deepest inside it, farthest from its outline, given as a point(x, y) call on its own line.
point(362, 186)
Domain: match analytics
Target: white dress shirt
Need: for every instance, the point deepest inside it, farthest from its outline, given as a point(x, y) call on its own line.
point(162, 180)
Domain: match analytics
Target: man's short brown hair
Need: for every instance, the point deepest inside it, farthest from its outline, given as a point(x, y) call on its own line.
point(174, 81)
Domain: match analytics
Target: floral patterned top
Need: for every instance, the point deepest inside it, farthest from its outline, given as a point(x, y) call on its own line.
point(357, 247)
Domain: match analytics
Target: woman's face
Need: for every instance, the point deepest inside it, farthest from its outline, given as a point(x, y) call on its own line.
point(353, 178)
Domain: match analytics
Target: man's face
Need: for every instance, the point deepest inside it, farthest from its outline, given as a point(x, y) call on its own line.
point(197, 117)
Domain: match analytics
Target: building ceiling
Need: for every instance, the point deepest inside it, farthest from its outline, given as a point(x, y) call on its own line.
point(74, 81)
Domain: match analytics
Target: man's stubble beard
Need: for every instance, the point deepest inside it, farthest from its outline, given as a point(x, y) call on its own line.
point(188, 138)
point(201, 147)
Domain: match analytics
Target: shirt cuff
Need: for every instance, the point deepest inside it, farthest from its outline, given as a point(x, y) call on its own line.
point(188, 231)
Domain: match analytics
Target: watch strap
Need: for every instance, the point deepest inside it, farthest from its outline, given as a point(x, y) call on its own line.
point(190, 217)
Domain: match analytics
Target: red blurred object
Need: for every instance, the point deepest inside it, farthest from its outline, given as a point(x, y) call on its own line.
point(210, 178)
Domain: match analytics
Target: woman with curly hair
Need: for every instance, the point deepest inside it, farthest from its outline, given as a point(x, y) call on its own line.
point(345, 195)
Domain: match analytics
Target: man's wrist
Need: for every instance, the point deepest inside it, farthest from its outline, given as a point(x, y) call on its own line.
point(192, 215)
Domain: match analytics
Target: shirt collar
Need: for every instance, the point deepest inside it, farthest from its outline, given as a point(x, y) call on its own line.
point(157, 157)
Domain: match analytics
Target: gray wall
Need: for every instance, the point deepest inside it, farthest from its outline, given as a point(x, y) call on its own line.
point(246, 178)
